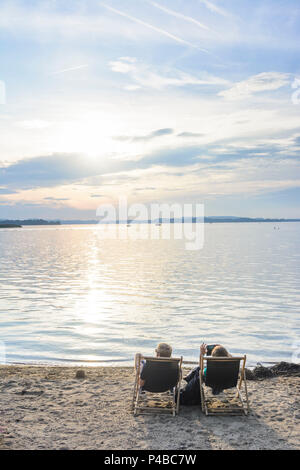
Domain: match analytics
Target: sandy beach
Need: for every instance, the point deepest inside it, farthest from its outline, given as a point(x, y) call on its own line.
point(49, 408)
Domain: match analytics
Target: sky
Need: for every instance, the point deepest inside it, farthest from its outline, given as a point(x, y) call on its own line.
point(173, 101)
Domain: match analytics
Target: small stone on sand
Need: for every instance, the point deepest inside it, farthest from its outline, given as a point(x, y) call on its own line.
point(80, 374)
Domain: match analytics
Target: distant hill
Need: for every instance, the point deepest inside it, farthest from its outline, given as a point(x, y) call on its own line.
point(10, 225)
point(19, 223)
point(245, 219)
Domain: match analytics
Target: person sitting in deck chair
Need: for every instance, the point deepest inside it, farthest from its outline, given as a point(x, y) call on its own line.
point(162, 350)
point(159, 375)
point(190, 395)
point(221, 372)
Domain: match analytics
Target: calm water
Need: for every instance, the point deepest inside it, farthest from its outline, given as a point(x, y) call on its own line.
point(66, 295)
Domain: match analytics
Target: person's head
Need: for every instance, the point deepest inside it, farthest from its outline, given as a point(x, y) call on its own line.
point(163, 350)
point(220, 351)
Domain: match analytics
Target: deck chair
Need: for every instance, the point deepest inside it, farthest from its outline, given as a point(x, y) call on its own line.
point(223, 373)
point(162, 386)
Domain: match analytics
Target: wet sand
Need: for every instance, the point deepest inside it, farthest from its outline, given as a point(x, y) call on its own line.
point(43, 407)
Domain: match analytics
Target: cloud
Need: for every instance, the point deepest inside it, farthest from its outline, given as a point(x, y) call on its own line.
point(215, 9)
point(123, 65)
point(193, 177)
point(145, 188)
point(56, 198)
point(33, 124)
point(63, 169)
point(132, 87)
point(70, 69)
point(145, 76)
point(51, 170)
point(49, 19)
point(7, 191)
point(217, 163)
point(161, 132)
point(26, 210)
point(144, 138)
point(172, 157)
point(154, 28)
point(190, 134)
point(179, 15)
point(297, 140)
point(266, 81)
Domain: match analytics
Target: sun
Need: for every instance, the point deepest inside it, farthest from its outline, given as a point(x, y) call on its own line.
point(91, 134)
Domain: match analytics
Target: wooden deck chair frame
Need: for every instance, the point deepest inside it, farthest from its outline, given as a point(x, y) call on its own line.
point(244, 402)
point(136, 406)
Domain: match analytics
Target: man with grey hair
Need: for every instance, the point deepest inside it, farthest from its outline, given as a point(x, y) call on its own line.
point(162, 350)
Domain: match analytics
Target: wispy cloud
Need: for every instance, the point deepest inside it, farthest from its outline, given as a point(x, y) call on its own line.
point(190, 134)
point(215, 9)
point(179, 15)
point(46, 171)
point(144, 75)
point(70, 69)
point(33, 124)
point(7, 191)
point(56, 199)
point(154, 28)
point(150, 136)
point(266, 81)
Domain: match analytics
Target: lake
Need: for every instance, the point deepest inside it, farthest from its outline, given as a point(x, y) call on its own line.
point(67, 296)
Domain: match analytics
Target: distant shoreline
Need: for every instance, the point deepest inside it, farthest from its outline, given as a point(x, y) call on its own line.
point(17, 223)
point(207, 220)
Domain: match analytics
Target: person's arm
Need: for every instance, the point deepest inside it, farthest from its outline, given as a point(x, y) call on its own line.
point(142, 379)
point(192, 374)
point(137, 362)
